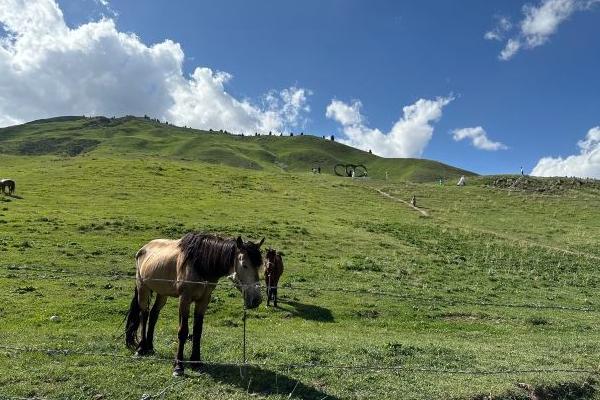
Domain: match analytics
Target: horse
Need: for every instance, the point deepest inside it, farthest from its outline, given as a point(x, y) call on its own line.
point(188, 268)
point(7, 183)
point(273, 271)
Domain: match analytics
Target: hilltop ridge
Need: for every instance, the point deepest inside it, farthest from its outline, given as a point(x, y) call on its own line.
point(78, 135)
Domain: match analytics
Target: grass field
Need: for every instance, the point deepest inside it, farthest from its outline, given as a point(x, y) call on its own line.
point(475, 287)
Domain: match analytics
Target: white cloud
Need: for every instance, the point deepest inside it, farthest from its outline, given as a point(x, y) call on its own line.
point(408, 137)
point(586, 164)
point(345, 114)
point(538, 24)
point(49, 69)
point(511, 48)
point(503, 25)
point(478, 137)
point(542, 21)
point(107, 7)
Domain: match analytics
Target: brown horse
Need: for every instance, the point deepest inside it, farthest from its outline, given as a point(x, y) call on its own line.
point(188, 268)
point(273, 271)
point(7, 183)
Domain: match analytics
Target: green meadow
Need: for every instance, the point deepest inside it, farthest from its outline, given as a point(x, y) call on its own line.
point(493, 295)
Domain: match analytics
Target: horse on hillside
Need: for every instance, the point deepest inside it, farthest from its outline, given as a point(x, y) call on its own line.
point(273, 271)
point(188, 268)
point(7, 183)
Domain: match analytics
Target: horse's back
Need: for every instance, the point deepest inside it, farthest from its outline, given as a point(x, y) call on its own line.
point(157, 266)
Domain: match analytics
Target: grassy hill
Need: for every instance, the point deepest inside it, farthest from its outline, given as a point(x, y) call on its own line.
point(100, 136)
point(496, 287)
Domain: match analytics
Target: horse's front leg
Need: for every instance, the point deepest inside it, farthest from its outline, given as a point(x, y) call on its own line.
point(199, 310)
point(184, 315)
point(269, 290)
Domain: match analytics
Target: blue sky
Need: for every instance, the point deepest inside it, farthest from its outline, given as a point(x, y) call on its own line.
point(389, 54)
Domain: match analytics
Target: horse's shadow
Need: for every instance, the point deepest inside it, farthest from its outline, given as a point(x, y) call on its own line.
point(306, 311)
point(254, 379)
point(14, 196)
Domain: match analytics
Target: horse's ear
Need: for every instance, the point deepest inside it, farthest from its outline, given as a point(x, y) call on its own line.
point(239, 242)
point(261, 242)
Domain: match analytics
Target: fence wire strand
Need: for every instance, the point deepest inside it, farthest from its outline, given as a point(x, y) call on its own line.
point(292, 366)
point(288, 286)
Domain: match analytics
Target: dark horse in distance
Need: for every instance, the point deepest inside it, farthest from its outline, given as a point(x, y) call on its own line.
point(188, 268)
point(7, 184)
point(273, 271)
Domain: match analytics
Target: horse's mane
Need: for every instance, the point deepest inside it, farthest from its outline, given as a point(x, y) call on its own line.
point(211, 256)
point(254, 253)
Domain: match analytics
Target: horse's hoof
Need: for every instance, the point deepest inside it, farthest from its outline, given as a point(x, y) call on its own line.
point(144, 352)
point(178, 371)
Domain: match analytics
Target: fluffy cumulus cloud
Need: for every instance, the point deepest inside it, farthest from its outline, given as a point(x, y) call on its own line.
point(408, 137)
point(539, 23)
point(49, 69)
point(586, 164)
point(478, 137)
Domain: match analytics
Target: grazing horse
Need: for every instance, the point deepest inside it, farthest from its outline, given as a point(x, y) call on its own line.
point(273, 271)
point(7, 183)
point(188, 268)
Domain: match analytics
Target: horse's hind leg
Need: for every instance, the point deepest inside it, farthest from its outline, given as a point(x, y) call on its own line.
point(184, 315)
point(159, 303)
point(144, 298)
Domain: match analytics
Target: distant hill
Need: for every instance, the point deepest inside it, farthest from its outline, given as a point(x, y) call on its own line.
point(101, 136)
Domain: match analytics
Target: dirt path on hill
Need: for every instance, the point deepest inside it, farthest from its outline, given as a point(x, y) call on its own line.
point(489, 232)
point(423, 212)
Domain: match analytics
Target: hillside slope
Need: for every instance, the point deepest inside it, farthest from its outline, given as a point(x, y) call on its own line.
point(376, 302)
point(73, 136)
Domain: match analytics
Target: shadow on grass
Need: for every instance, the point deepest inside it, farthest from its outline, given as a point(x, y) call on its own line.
point(306, 311)
point(586, 389)
point(265, 382)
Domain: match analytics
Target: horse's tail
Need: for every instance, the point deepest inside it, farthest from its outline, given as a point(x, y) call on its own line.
point(133, 322)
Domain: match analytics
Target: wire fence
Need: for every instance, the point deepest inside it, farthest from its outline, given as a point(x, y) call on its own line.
point(435, 300)
point(243, 365)
point(293, 366)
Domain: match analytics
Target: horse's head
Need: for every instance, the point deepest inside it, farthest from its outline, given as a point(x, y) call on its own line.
point(245, 276)
point(270, 257)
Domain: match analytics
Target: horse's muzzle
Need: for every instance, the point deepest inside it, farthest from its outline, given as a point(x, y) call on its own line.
point(253, 301)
